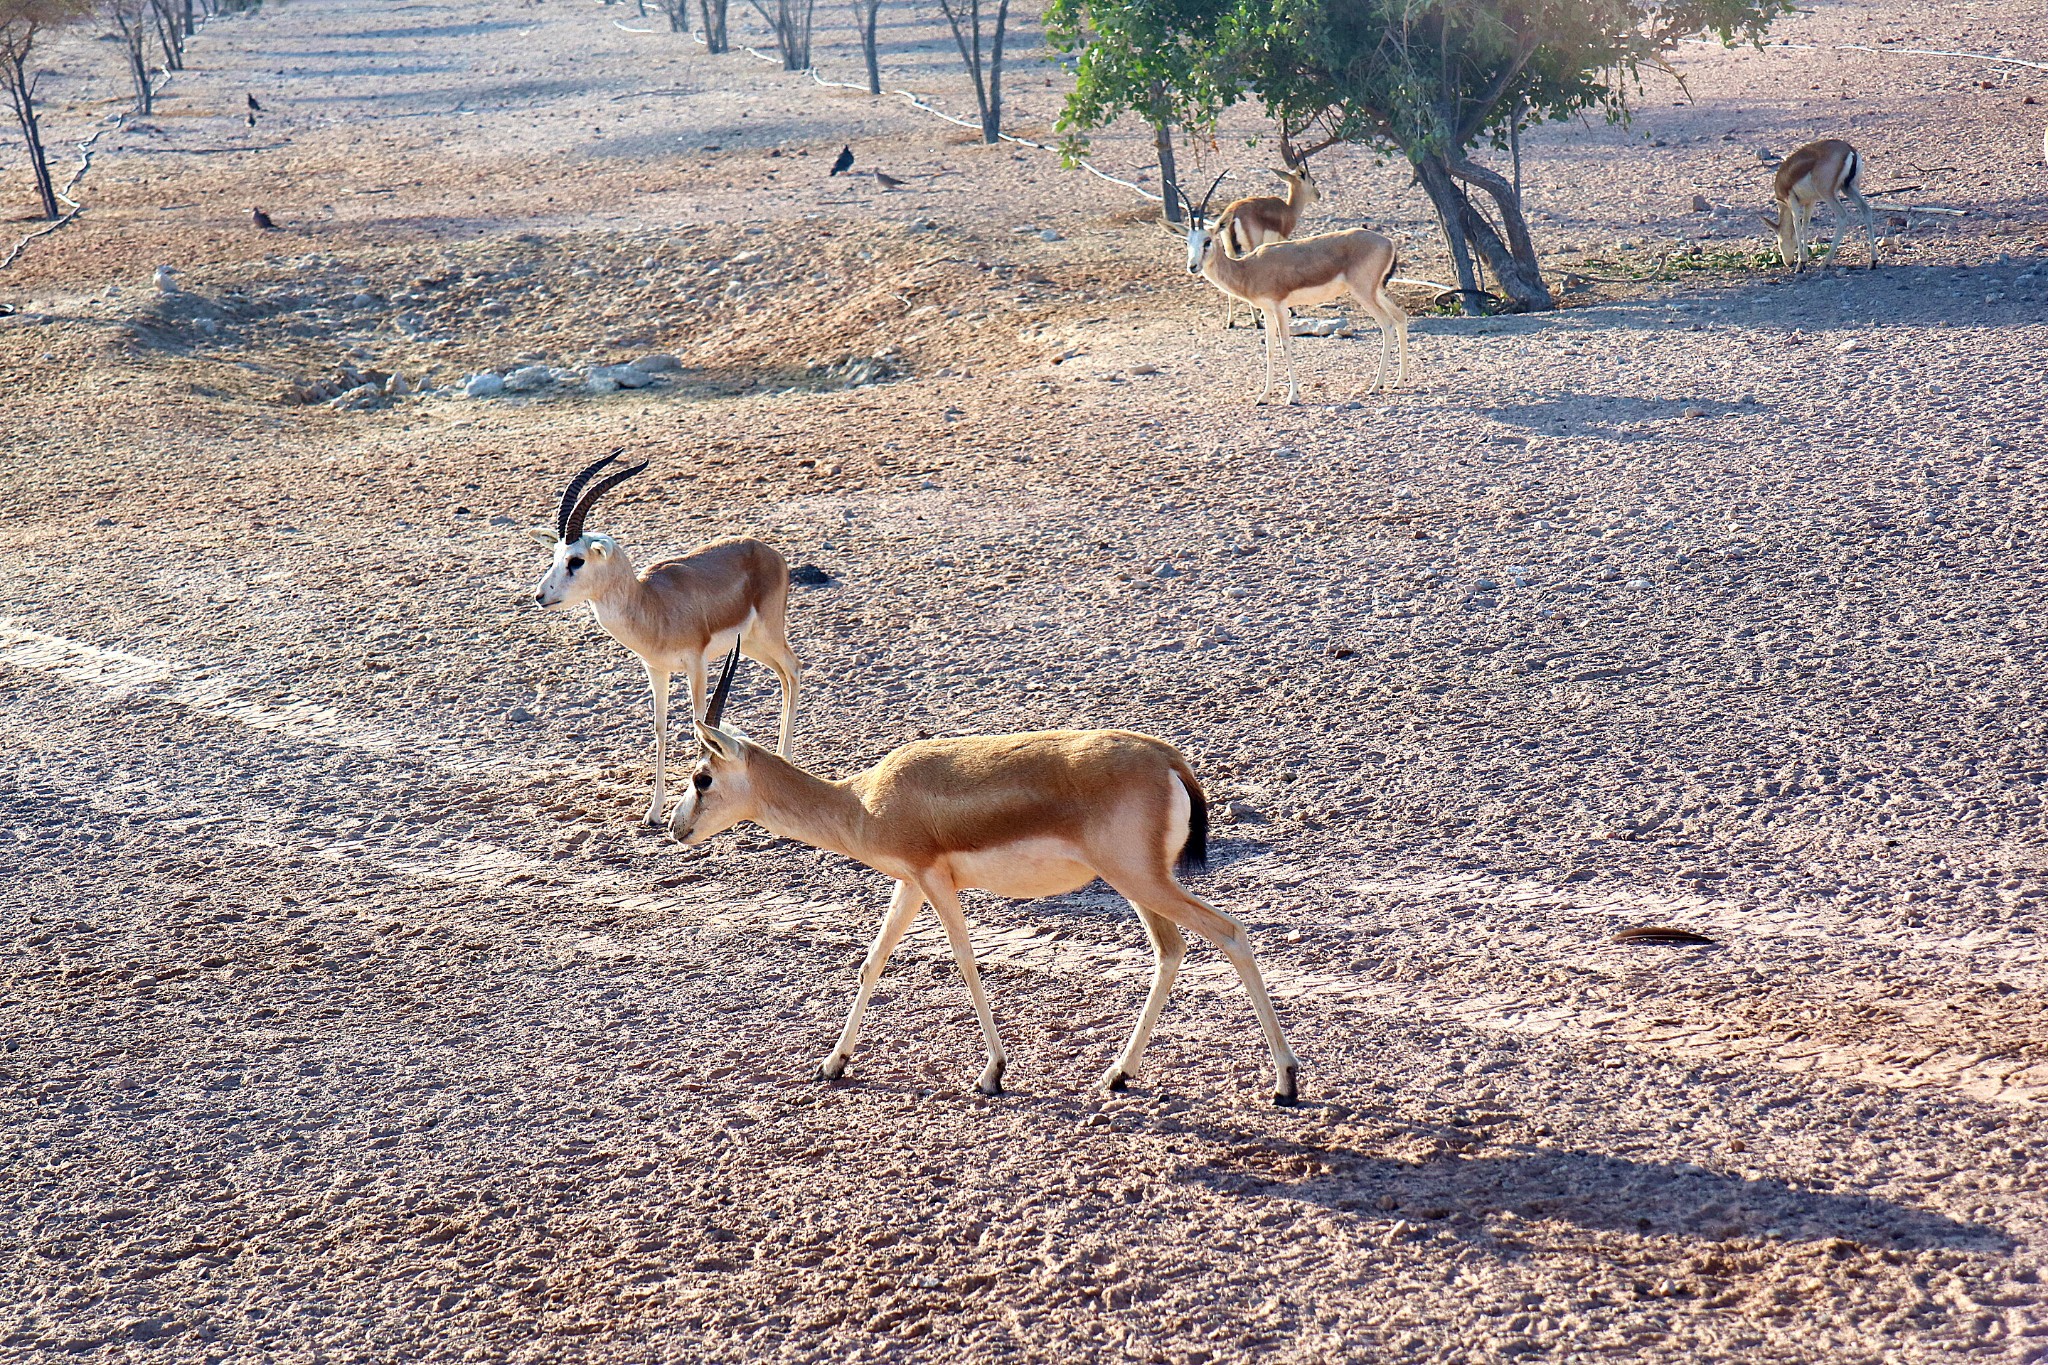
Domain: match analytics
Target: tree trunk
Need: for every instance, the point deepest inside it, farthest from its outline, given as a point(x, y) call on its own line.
point(21, 93)
point(1521, 278)
point(1444, 194)
point(988, 80)
point(865, 12)
point(714, 25)
point(1162, 139)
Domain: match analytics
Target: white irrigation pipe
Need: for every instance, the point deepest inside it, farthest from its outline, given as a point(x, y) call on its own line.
point(1883, 51)
point(1083, 162)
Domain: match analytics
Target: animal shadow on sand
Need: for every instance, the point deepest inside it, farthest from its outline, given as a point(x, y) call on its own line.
point(1419, 1175)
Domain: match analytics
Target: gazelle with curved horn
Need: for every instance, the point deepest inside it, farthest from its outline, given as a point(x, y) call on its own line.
point(729, 594)
point(1818, 172)
point(1281, 276)
point(1247, 224)
point(1023, 815)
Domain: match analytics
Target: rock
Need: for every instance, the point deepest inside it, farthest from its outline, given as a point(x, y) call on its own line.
point(809, 575)
point(1693, 412)
point(1766, 155)
point(1849, 348)
point(502, 520)
point(1244, 813)
point(519, 715)
point(1700, 204)
point(1048, 236)
point(1145, 369)
point(602, 382)
point(625, 376)
point(656, 364)
point(364, 301)
point(359, 398)
point(398, 386)
point(485, 385)
point(1166, 570)
point(528, 378)
point(749, 258)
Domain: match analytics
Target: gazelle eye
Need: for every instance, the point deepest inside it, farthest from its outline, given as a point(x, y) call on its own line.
point(575, 563)
point(702, 782)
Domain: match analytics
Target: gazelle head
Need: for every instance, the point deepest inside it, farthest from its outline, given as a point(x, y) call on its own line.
point(1786, 226)
point(1201, 236)
point(1301, 186)
point(719, 795)
point(583, 563)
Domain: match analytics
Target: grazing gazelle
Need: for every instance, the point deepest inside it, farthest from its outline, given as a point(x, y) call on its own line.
point(1023, 815)
point(1307, 270)
point(1247, 224)
point(1819, 171)
point(726, 593)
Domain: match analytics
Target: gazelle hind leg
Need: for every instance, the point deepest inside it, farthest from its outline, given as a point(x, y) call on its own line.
point(946, 902)
point(767, 644)
point(903, 908)
point(1168, 948)
point(1164, 896)
point(1869, 220)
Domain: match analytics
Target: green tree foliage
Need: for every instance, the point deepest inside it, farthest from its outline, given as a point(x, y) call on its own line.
point(1429, 80)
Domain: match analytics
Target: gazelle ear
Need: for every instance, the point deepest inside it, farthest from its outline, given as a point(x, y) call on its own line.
point(717, 742)
point(544, 534)
point(599, 546)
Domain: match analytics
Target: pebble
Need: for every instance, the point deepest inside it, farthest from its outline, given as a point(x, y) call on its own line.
point(528, 378)
point(1166, 570)
point(656, 364)
point(1048, 236)
point(809, 575)
point(519, 715)
point(485, 385)
point(1243, 813)
point(601, 383)
point(1693, 412)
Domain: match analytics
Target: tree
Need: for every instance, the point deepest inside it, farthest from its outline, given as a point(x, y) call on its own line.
point(791, 21)
point(984, 62)
point(1430, 80)
point(864, 15)
point(22, 22)
point(131, 20)
point(714, 25)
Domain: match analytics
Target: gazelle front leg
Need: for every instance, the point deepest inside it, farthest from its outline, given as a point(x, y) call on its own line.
point(657, 682)
point(903, 907)
point(947, 903)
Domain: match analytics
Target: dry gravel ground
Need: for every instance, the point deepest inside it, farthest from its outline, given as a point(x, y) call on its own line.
point(347, 1015)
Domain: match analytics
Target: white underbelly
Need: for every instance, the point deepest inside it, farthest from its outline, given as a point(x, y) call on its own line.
point(1027, 868)
point(1322, 293)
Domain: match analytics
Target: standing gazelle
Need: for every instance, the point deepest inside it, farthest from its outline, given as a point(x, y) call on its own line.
point(1247, 224)
point(1022, 815)
point(727, 594)
point(1818, 172)
point(1306, 270)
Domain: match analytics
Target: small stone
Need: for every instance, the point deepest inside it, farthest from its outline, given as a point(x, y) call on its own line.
point(519, 715)
point(502, 520)
point(601, 383)
point(1048, 236)
point(749, 258)
point(1145, 369)
point(809, 575)
point(485, 385)
point(398, 386)
point(656, 364)
point(1850, 348)
point(364, 301)
point(1693, 412)
point(1700, 204)
point(1243, 813)
point(1166, 570)
point(528, 378)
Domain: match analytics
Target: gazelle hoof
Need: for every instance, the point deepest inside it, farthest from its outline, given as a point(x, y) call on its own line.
point(991, 1082)
point(831, 1069)
point(1284, 1092)
point(1115, 1079)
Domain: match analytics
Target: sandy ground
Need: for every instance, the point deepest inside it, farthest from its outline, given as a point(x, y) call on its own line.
point(348, 1015)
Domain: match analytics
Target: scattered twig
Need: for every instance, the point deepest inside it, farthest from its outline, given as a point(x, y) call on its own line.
point(1666, 934)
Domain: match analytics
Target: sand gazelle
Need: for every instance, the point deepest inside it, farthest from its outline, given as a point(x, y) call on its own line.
point(727, 594)
point(1022, 815)
point(1305, 270)
point(1819, 171)
point(1247, 224)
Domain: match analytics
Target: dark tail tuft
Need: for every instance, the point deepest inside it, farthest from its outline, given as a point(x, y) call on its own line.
point(1194, 854)
point(1393, 261)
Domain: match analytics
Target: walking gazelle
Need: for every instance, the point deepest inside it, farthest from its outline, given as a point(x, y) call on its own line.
point(1023, 815)
point(729, 594)
point(1301, 271)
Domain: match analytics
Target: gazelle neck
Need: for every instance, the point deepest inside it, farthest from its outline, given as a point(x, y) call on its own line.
point(618, 586)
point(792, 803)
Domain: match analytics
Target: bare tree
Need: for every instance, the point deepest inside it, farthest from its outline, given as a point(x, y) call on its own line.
point(714, 25)
point(984, 58)
point(678, 12)
point(22, 22)
point(864, 13)
point(792, 24)
point(132, 21)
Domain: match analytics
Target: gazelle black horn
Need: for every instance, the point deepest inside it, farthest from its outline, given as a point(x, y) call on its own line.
point(575, 490)
point(716, 710)
point(597, 490)
point(1202, 213)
